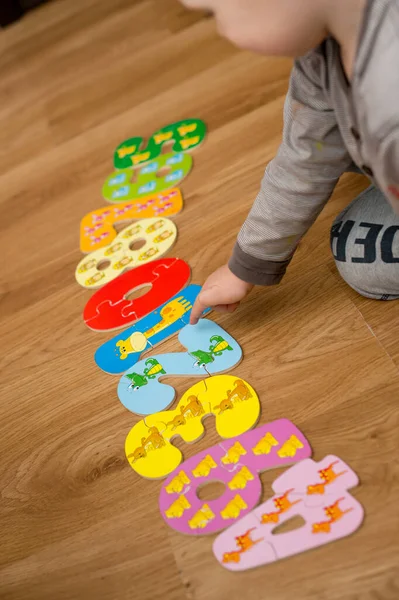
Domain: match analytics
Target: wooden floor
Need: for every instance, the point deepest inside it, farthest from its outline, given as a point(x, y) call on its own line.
point(77, 523)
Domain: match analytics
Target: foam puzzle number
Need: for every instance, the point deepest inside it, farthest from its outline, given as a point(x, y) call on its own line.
point(124, 350)
point(236, 463)
point(156, 176)
point(102, 266)
point(210, 350)
point(185, 135)
point(109, 308)
point(97, 227)
point(315, 491)
point(148, 445)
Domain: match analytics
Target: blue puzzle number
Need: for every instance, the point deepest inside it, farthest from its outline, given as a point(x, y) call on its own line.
point(210, 350)
point(124, 350)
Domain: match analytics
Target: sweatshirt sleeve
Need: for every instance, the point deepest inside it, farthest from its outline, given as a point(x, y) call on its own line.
point(297, 183)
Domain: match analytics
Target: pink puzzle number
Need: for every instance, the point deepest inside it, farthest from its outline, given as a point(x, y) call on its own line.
point(237, 463)
point(315, 491)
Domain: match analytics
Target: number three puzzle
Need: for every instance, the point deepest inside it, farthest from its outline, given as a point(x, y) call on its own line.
point(233, 402)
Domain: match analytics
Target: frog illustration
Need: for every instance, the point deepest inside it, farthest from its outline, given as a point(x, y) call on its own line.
point(203, 358)
point(137, 381)
point(217, 347)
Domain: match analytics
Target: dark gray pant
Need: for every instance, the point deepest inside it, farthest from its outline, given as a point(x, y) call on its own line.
point(365, 245)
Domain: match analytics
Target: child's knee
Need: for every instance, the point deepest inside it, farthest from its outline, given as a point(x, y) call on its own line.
point(365, 246)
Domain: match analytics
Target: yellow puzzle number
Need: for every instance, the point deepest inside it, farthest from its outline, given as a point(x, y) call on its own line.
point(135, 245)
point(148, 445)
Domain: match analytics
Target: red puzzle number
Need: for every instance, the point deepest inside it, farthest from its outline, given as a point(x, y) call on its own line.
point(109, 309)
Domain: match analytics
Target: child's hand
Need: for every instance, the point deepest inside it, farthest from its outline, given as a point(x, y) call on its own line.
point(222, 291)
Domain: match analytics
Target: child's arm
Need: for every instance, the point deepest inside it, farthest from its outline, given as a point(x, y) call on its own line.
point(296, 186)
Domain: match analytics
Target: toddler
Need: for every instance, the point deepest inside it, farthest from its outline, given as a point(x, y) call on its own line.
point(341, 114)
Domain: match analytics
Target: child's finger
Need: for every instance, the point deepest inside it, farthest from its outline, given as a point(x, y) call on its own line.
point(207, 298)
point(197, 310)
point(210, 298)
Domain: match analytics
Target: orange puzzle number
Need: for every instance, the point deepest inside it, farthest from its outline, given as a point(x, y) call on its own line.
point(97, 228)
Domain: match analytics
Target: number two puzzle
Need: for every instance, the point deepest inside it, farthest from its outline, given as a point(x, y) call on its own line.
point(210, 350)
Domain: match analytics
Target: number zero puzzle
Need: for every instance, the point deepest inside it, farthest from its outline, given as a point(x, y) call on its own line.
point(109, 308)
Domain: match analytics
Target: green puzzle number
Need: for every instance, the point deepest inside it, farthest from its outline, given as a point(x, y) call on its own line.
point(185, 134)
point(128, 184)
